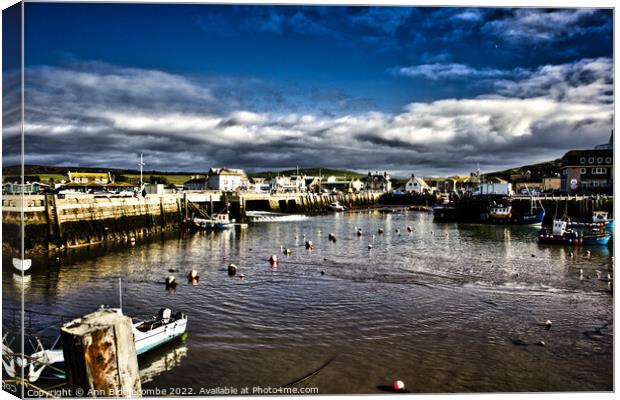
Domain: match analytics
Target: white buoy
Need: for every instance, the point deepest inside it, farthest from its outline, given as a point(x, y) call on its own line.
point(399, 386)
point(232, 269)
point(369, 246)
point(171, 281)
point(548, 324)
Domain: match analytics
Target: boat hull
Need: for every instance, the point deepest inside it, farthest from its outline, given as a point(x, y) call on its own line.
point(596, 240)
point(557, 239)
point(520, 219)
point(601, 240)
point(145, 341)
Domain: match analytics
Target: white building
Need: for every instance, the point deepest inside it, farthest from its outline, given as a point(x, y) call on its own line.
point(295, 184)
point(226, 179)
point(378, 182)
point(416, 185)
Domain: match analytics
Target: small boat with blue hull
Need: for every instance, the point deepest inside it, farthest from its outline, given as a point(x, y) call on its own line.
point(599, 220)
point(148, 334)
point(560, 234)
point(504, 215)
point(596, 240)
point(216, 222)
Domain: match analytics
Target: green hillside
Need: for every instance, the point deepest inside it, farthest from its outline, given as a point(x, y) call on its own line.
point(340, 173)
point(59, 173)
point(538, 170)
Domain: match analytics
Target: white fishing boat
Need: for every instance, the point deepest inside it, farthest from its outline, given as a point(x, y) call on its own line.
point(217, 222)
point(148, 334)
point(336, 206)
point(266, 216)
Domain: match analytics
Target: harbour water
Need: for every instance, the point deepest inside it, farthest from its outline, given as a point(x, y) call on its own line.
point(446, 308)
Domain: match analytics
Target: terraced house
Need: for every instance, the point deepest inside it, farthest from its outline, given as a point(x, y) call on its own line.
point(589, 171)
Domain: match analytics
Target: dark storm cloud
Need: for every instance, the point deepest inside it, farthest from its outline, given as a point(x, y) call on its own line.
point(105, 115)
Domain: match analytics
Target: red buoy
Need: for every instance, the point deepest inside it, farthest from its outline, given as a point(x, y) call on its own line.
point(399, 385)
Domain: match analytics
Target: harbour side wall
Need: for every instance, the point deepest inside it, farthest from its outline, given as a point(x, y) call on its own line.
point(53, 222)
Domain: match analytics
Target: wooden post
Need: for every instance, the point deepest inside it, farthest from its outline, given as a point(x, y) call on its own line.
point(185, 204)
point(100, 356)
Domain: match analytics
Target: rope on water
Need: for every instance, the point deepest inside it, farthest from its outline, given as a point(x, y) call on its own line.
point(311, 374)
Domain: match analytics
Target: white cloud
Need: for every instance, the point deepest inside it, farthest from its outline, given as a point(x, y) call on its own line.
point(538, 25)
point(535, 118)
point(438, 71)
point(587, 81)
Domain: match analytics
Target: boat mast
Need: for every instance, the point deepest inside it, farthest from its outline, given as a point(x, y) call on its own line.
point(141, 164)
point(120, 294)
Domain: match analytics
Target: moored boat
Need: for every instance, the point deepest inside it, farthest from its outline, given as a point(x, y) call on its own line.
point(560, 234)
point(219, 222)
point(148, 334)
point(599, 220)
point(266, 216)
point(336, 206)
point(503, 213)
point(596, 237)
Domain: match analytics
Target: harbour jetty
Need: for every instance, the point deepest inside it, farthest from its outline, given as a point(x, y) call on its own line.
point(54, 222)
point(471, 209)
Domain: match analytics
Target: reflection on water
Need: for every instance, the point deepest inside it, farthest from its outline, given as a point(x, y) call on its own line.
point(445, 308)
point(155, 363)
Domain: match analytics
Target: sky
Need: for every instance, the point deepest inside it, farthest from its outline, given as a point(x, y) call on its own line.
point(431, 91)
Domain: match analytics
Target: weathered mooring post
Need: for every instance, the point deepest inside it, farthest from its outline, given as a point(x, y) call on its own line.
point(185, 204)
point(100, 356)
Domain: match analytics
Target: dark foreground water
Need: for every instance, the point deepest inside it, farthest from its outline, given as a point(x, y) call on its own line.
point(447, 308)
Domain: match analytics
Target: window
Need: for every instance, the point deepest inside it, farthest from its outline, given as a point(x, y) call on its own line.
point(583, 171)
point(607, 160)
point(594, 183)
point(599, 160)
point(599, 171)
point(582, 160)
point(591, 160)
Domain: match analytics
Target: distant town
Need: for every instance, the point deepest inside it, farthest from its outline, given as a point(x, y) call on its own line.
point(588, 171)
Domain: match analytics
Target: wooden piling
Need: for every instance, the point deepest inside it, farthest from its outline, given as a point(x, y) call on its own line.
point(100, 356)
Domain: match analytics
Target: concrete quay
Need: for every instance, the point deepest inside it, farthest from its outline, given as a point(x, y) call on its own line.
point(53, 222)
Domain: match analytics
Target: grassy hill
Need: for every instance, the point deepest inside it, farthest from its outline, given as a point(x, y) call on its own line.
point(538, 170)
point(56, 174)
point(325, 172)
